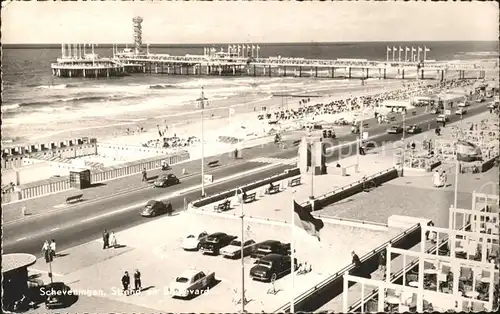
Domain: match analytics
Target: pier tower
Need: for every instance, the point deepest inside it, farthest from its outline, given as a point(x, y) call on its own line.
point(137, 33)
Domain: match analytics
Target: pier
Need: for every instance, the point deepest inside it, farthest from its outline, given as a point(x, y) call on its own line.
point(244, 60)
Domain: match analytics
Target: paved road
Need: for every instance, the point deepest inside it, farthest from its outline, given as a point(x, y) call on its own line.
point(86, 222)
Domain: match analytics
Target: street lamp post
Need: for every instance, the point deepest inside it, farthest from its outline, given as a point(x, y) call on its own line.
point(202, 99)
point(404, 144)
point(242, 255)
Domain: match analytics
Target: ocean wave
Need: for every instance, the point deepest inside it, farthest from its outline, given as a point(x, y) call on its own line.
point(479, 53)
point(58, 86)
point(77, 99)
point(9, 107)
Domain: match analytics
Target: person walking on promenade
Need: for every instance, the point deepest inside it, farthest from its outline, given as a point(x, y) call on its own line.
point(382, 261)
point(137, 280)
point(126, 283)
point(46, 251)
point(144, 175)
point(105, 239)
point(444, 178)
point(52, 247)
point(112, 240)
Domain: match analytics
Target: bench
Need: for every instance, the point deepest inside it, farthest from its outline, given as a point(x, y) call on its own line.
point(74, 199)
point(273, 190)
point(248, 198)
point(212, 164)
point(294, 182)
point(223, 206)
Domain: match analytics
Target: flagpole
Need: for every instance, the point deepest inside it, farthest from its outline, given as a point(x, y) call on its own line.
point(292, 248)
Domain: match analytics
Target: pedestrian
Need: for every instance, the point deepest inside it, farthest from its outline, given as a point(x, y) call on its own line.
point(137, 280)
point(144, 175)
point(46, 251)
point(112, 240)
point(52, 247)
point(444, 178)
point(355, 260)
point(126, 282)
point(105, 239)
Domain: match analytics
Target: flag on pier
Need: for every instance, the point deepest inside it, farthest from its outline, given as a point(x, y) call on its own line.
point(413, 49)
point(400, 49)
point(419, 49)
point(388, 49)
point(407, 48)
point(306, 221)
point(427, 49)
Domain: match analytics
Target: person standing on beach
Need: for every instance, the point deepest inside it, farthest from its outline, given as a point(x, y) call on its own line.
point(46, 251)
point(144, 175)
point(52, 247)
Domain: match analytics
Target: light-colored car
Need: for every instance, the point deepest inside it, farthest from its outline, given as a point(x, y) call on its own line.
point(460, 111)
point(193, 240)
point(442, 118)
point(463, 104)
point(233, 250)
point(191, 282)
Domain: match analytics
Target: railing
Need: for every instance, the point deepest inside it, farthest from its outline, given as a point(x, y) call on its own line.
point(339, 274)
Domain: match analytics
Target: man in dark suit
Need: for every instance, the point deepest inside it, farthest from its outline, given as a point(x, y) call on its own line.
point(105, 239)
point(126, 282)
point(137, 280)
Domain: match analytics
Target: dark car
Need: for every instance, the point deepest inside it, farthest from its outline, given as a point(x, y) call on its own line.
point(154, 208)
point(164, 181)
point(270, 247)
point(216, 241)
point(413, 129)
point(395, 129)
point(272, 266)
point(58, 295)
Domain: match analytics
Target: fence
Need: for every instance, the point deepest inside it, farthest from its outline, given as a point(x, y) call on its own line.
point(59, 184)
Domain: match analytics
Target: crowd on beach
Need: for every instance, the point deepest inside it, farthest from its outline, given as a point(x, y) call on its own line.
point(351, 103)
point(172, 142)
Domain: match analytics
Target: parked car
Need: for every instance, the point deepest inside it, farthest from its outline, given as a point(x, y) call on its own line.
point(435, 111)
point(269, 247)
point(191, 282)
point(233, 250)
point(395, 129)
point(492, 105)
point(442, 118)
point(480, 99)
point(463, 104)
point(166, 180)
point(154, 208)
point(461, 111)
point(58, 295)
point(215, 242)
point(272, 266)
point(194, 240)
point(413, 129)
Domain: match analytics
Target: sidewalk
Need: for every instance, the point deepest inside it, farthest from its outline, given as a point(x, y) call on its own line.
point(160, 259)
point(274, 207)
point(37, 205)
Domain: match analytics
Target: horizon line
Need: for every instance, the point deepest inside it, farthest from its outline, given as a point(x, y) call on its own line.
point(245, 43)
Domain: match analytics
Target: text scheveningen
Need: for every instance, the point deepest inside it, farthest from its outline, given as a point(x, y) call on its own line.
point(44, 291)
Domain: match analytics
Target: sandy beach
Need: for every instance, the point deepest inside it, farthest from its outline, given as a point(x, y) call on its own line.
point(217, 119)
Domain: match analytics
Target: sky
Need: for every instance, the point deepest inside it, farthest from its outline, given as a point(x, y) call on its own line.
point(239, 22)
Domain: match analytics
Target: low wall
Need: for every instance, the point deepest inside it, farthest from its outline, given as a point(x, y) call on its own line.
point(59, 184)
point(354, 188)
point(30, 173)
point(333, 286)
point(224, 195)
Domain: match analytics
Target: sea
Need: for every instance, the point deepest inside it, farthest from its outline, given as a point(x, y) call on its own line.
point(31, 95)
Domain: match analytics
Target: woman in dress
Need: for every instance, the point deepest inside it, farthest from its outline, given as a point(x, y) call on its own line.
point(112, 240)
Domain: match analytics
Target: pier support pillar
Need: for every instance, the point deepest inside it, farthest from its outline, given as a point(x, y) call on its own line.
point(349, 72)
point(69, 73)
point(385, 73)
point(284, 69)
point(367, 72)
point(379, 73)
point(107, 73)
point(403, 74)
point(300, 71)
point(234, 70)
point(270, 72)
point(254, 70)
point(58, 72)
point(422, 74)
point(208, 70)
point(333, 72)
point(144, 68)
point(220, 71)
point(316, 71)
point(83, 72)
point(264, 69)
